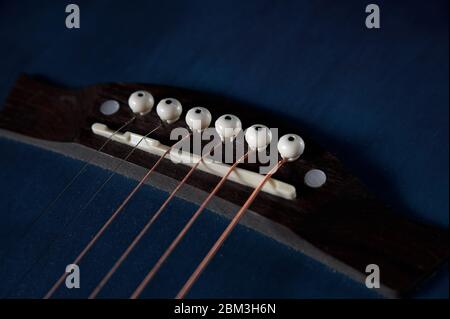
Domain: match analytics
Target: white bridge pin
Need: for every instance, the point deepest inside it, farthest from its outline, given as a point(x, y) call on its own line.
point(169, 110)
point(290, 147)
point(141, 102)
point(228, 127)
point(258, 137)
point(198, 119)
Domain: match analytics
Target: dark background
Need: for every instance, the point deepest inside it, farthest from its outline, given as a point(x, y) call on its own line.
point(376, 98)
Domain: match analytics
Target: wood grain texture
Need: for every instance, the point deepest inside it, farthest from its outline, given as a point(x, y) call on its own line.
point(341, 219)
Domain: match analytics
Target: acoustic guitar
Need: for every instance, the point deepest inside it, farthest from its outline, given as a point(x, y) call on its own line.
point(304, 198)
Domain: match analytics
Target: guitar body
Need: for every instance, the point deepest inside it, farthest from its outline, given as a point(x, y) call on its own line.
point(340, 224)
point(319, 244)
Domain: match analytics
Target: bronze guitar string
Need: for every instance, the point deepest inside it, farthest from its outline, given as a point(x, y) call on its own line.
point(215, 248)
point(113, 216)
point(183, 232)
point(136, 240)
point(47, 249)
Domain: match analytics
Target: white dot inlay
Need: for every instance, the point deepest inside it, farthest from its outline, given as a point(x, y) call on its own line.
point(315, 178)
point(109, 107)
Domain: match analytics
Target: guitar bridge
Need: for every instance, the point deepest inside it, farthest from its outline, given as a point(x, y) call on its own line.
point(208, 165)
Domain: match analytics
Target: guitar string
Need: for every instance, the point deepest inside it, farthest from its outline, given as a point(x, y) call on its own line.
point(136, 240)
point(66, 187)
point(48, 248)
point(204, 263)
point(183, 232)
point(111, 219)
